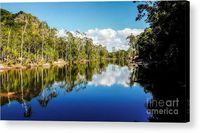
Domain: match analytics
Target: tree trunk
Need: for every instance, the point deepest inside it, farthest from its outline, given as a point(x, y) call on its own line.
point(42, 46)
point(8, 42)
point(22, 41)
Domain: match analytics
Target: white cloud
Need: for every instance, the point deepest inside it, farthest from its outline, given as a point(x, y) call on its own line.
point(107, 37)
point(61, 33)
point(113, 75)
point(112, 38)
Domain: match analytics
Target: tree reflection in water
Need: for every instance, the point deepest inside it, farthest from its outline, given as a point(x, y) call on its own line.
point(43, 84)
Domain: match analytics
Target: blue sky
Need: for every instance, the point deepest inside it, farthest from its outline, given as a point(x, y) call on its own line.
point(107, 23)
point(82, 15)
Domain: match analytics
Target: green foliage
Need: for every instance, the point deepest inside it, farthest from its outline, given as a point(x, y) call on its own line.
point(27, 40)
point(164, 40)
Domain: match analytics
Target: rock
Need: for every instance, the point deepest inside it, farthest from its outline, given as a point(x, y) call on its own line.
point(46, 65)
point(59, 63)
point(1, 67)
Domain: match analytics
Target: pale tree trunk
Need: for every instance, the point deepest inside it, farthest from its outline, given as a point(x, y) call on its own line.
point(22, 40)
point(43, 40)
point(8, 42)
point(8, 37)
point(54, 47)
point(66, 52)
point(42, 46)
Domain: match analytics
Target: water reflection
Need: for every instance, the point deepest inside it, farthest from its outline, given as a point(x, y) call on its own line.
point(113, 75)
point(91, 92)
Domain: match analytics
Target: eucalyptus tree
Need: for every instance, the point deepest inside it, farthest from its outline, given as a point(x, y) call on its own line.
point(25, 39)
point(133, 43)
point(88, 47)
point(43, 32)
point(22, 39)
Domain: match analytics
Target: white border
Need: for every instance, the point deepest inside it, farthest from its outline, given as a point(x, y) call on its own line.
point(118, 127)
point(10, 1)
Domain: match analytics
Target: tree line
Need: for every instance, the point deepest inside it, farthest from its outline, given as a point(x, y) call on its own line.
point(27, 40)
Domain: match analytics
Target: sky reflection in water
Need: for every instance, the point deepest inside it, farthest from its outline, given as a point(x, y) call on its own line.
point(107, 97)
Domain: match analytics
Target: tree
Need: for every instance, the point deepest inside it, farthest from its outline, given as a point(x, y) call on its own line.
point(34, 42)
point(88, 47)
point(133, 44)
point(22, 39)
point(167, 39)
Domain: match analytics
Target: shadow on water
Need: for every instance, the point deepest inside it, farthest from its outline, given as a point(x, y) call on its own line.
point(170, 91)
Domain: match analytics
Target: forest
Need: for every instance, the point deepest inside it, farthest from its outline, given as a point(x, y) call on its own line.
point(27, 41)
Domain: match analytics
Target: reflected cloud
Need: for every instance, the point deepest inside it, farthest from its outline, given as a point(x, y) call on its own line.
point(113, 75)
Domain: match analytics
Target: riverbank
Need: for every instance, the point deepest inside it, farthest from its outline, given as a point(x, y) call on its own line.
point(58, 63)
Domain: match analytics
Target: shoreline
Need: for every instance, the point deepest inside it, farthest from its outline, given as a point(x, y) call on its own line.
point(31, 66)
point(59, 63)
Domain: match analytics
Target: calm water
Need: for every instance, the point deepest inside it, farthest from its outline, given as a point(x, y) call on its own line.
point(90, 92)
